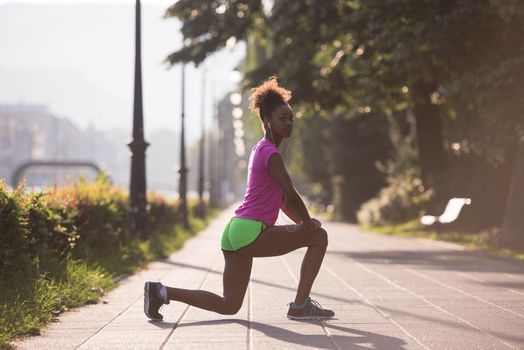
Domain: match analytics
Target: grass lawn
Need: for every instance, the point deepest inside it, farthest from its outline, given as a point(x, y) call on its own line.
point(484, 241)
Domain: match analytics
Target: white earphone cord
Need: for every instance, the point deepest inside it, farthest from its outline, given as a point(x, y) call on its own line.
point(271, 134)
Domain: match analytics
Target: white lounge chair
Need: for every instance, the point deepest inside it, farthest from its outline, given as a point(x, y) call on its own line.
point(450, 214)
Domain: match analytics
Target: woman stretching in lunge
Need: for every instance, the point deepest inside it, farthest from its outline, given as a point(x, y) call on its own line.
point(251, 232)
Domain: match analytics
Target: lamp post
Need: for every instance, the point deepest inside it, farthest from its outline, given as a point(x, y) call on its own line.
point(213, 155)
point(182, 189)
point(201, 161)
point(137, 222)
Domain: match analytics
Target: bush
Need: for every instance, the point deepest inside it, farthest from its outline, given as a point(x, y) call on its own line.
point(94, 213)
point(162, 211)
point(14, 230)
point(63, 247)
point(402, 200)
point(42, 228)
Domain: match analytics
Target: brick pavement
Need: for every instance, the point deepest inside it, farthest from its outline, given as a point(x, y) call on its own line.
point(388, 293)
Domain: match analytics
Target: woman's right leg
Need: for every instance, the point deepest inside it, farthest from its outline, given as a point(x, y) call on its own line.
point(237, 271)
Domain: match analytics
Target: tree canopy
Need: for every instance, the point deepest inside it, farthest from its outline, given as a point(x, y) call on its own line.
point(446, 75)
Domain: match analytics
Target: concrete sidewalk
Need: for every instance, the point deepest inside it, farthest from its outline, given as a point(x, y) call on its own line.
point(387, 292)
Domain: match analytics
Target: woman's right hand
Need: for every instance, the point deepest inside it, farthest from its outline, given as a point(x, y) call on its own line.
point(311, 225)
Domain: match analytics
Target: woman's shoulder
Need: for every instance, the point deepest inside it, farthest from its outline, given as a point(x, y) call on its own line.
point(264, 150)
point(266, 144)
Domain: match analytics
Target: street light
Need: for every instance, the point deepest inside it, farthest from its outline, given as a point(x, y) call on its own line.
point(137, 221)
point(182, 189)
point(214, 171)
point(201, 161)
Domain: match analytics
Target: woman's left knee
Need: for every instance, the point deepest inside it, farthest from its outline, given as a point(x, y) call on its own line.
point(321, 237)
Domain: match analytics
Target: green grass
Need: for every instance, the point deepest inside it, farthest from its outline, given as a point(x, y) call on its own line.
point(484, 241)
point(29, 300)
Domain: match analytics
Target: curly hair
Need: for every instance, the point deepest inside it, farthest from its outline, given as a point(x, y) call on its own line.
point(267, 96)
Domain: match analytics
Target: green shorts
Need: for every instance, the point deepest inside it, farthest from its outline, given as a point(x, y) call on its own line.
point(240, 232)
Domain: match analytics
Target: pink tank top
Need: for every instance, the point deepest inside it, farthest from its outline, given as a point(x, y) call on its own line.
point(263, 196)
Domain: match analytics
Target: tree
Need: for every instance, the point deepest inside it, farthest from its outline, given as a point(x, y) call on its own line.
point(513, 224)
point(436, 60)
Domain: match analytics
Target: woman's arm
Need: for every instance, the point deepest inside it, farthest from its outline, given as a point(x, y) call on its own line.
point(289, 212)
point(277, 169)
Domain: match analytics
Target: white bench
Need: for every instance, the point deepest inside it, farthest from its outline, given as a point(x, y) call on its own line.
point(450, 214)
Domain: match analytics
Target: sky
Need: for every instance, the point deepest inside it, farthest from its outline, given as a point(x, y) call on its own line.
point(77, 57)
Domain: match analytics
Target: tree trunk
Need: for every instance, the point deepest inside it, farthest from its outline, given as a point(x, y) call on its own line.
point(512, 232)
point(429, 133)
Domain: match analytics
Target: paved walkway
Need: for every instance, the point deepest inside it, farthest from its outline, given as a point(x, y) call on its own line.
point(388, 293)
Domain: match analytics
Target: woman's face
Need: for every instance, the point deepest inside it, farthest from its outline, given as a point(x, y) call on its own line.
point(281, 121)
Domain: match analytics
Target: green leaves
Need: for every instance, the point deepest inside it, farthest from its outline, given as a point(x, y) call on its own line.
point(61, 248)
point(341, 58)
point(207, 25)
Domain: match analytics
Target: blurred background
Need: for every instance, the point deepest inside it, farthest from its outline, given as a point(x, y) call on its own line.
point(399, 106)
point(66, 89)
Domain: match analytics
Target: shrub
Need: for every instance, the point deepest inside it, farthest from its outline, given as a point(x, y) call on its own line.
point(62, 248)
point(95, 214)
point(161, 211)
point(40, 229)
point(402, 200)
point(14, 231)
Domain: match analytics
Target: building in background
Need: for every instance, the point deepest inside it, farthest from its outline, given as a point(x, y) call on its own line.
point(33, 132)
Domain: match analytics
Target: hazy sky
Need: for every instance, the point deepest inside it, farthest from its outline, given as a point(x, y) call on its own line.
point(77, 57)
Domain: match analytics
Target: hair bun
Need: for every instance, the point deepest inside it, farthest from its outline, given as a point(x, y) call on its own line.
point(268, 95)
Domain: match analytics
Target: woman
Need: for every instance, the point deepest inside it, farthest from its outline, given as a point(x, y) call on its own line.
point(251, 233)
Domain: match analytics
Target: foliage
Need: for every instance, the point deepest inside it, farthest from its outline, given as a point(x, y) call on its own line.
point(30, 301)
point(459, 62)
point(14, 229)
point(402, 200)
point(63, 247)
point(485, 241)
point(209, 24)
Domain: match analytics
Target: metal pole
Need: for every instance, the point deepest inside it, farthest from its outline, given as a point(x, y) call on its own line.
point(182, 189)
point(213, 152)
point(201, 161)
point(220, 159)
point(137, 221)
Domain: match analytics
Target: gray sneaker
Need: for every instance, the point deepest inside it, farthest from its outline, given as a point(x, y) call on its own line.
point(152, 301)
point(310, 311)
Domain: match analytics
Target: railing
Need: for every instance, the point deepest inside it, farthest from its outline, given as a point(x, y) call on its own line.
point(22, 168)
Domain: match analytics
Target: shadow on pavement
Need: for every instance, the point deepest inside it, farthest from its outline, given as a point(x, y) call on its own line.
point(505, 284)
point(254, 280)
point(449, 323)
point(438, 259)
point(356, 339)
